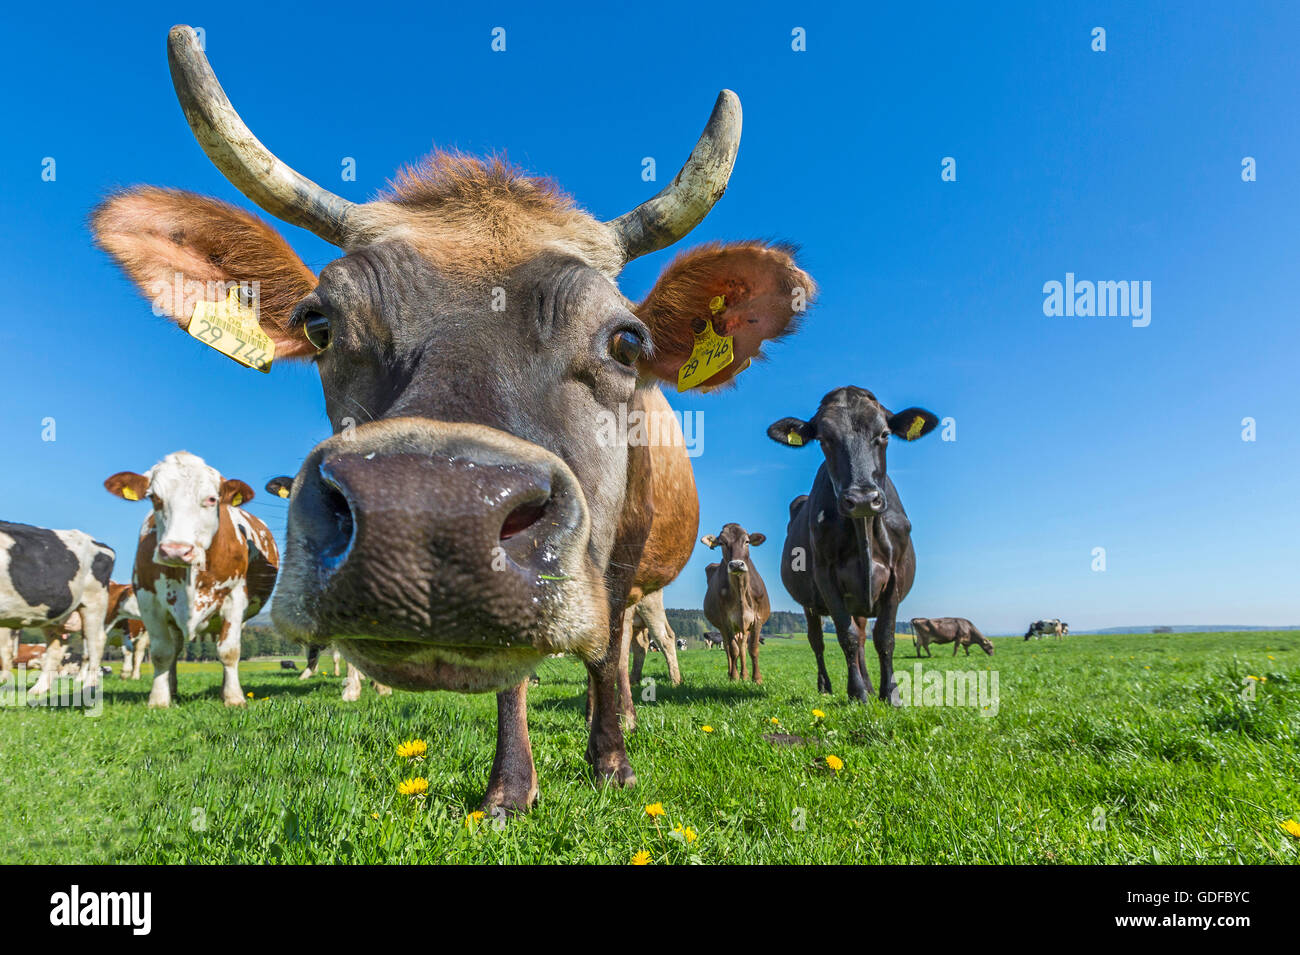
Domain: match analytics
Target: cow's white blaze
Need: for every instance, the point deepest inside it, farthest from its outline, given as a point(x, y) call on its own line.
point(188, 492)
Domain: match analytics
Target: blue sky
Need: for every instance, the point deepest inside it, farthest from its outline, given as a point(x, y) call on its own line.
point(1072, 433)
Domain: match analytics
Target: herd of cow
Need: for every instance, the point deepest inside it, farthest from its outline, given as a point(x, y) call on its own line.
point(473, 521)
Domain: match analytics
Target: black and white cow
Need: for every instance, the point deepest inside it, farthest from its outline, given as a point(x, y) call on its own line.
point(47, 577)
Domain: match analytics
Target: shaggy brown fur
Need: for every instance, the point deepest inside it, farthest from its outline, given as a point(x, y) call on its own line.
point(479, 218)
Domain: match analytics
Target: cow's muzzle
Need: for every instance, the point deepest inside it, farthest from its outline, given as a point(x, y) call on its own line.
point(439, 555)
point(861, 502)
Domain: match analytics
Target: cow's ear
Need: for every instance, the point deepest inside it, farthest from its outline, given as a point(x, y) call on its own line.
point(792, 432)
point(709, 541)
point(912, 423)
point(128, 485)
point(235, 492)
point(181, 249)
point(756, 539)
point(752, 292)
point(280, 486)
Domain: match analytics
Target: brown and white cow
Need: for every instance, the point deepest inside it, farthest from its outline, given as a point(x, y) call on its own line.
point(202, 566)
point(476, 518)
point(736, 600)
point(958, 631)
point(124, 628)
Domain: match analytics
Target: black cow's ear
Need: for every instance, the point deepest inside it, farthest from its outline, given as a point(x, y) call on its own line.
point(280, 486)
point(792, 432)
point(756, 539)
point(912, 423)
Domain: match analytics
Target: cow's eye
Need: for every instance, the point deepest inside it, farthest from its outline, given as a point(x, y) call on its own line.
point(210, 502)
point(883, 439)
point(317, 329)
point(626, 347)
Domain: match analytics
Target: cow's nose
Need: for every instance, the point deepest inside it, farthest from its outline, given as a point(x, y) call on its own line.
point(736, 566)
point(859, 502)
point(433, 532)
point(178, 551)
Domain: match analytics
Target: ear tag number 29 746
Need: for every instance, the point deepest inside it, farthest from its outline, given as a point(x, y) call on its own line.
point(712, 352)
point(231, 327)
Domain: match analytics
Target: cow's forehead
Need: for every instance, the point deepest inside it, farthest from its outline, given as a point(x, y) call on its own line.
point(180, 473)
point(476, 218)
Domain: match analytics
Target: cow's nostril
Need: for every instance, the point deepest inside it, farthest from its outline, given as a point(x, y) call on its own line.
point(335, 547)
point(523, 517)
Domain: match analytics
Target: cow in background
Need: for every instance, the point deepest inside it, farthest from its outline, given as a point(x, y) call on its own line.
point(202, 566)
point(958, 631)
point(55, 581)
point(848, 548)
point(736, 599)
point(124, 627)
point(1045, 628)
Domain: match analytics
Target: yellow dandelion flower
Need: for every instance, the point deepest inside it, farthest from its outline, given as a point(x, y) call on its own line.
point(475, 816)
point(834, 763)
point(685, 833)
point(641, 858)
point(412, 749)
point(775, 721)
point(250, 696)
point(1292, 828)
point(818, 715)
point(417, 786)
point(654, 809)
point(706, 728)
point(374, 815)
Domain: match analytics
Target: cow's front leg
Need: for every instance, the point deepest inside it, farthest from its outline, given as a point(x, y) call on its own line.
point(859, 684)
point(883, 637)
point(6, 654)
point(137, 656)
point(755, 631)
point(232, 694)
point(94, 606)
point(626, 706)
point(50, 663)
point(166, 647)
point(605, 748)
point(352, 685)
point(512, 787)
point(818, 644)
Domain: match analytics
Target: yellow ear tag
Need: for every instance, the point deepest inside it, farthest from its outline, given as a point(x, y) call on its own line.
point(914, 429)
point(283, 492)
point(712, 353)
point(129, 494)
point(232, 328)
point(237, 500)
point(794, 438)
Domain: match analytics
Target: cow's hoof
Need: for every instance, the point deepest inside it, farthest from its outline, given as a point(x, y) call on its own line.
point(160, 704)
point(239, 702)
point(350, 696)
point(824, 686)
point(620, 777)
point(511, 799)
point(383, 690)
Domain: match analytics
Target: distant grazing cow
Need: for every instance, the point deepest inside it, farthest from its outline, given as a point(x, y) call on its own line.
point(202, 566)
point(1046, 628)
point(288, 665)
point(650, 625)
point(496, 501)
point(282, 487)
point(958, 631)
point(848, 548)
point(712, 639)
point(125, 629)
point(736, 599)
point(53, 581)
point(681, 644)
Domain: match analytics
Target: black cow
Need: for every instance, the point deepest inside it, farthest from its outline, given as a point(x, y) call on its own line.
point(848, 548)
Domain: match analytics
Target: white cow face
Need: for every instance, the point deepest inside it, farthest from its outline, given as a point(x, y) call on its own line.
point(187, 496)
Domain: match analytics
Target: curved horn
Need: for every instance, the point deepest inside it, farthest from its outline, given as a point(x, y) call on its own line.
point(241, 157)
point(683, 204)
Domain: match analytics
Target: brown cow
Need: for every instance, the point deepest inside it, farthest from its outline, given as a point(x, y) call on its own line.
point(958, 631)
point(736, 599)
point(202, 566)
point(475, 520)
